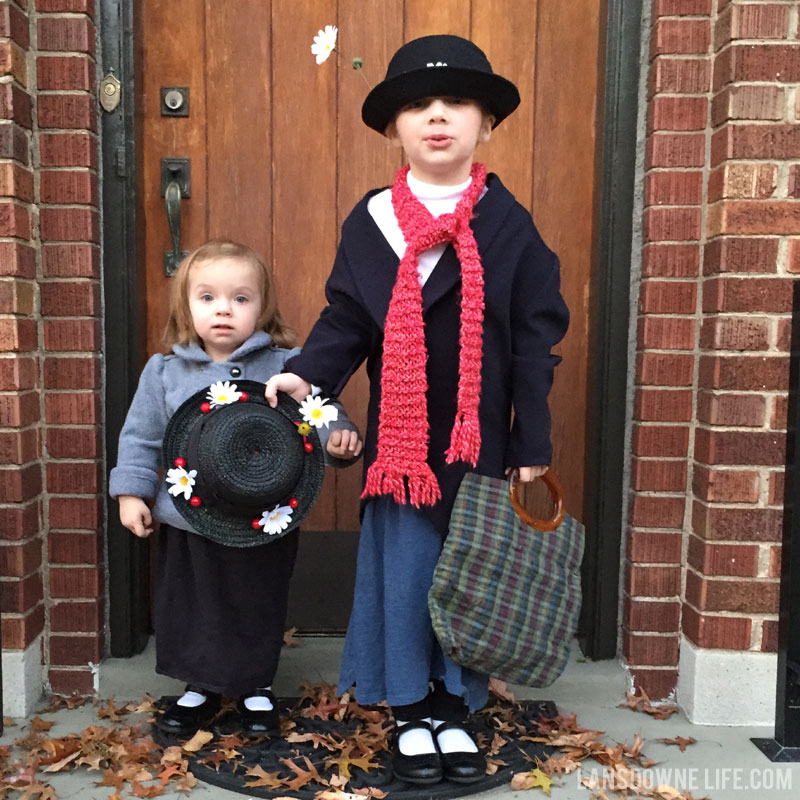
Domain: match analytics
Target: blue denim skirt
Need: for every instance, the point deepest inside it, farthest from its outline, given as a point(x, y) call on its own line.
point(390, 652)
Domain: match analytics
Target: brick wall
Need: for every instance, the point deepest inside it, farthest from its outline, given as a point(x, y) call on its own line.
point(713, 331)
point(51, 515)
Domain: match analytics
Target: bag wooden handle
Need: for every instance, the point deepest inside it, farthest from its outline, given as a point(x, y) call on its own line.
point(556, 492)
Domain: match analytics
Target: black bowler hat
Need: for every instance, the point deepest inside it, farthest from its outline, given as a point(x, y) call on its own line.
point(240, 472)
point(438, 66)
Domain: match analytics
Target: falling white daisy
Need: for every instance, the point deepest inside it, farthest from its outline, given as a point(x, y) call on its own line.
point(221, 394)
point(182, 481)
point(324, 43)
point(316, 413)
point(276, 520)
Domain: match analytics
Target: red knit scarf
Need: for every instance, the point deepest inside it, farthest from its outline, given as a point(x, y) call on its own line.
point(403, 421)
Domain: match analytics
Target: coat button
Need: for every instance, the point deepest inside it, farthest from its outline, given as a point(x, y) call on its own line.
point(235, 372)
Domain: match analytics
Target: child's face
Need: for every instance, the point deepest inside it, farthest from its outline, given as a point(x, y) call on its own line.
point(225, 303)
point(439, 136)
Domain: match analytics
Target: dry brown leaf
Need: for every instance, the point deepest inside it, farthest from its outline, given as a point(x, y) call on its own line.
point(41, 725)
point(59, 765)
point(263, 778)
point(680, 741)
point(198, 741)
point(523, 781)
point(8, 722)
point(146, 791)
point(500, 688)
point(290, 638)
point(303, 776)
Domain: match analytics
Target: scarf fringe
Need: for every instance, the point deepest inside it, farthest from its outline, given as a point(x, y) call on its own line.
point(384, 479)
point(465, 440)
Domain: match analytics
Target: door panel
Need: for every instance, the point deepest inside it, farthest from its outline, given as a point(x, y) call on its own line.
point(279, 156)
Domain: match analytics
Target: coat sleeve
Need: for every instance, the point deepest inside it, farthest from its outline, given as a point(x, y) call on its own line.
point(539, 320)
point(341, 338)
point(142, 435)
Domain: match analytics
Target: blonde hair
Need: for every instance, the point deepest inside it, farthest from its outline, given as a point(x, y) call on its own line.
point(180, 329)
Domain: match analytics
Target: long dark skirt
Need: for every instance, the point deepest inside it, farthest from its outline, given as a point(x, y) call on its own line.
point(220, 611)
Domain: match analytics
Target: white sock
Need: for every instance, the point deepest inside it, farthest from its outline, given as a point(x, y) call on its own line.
point(258, 702)
point(192, 700)
point(454, 740)
point(415, 742)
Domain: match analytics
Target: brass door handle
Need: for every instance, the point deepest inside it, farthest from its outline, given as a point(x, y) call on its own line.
point(174, 185)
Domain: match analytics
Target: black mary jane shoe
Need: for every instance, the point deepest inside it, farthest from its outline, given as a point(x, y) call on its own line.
point(460, 766)
point(422, 769)
point(180, 720)
point(260, 723)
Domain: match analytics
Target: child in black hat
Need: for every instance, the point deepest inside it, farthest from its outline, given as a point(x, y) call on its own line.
point(444, 286)
point(238, 479)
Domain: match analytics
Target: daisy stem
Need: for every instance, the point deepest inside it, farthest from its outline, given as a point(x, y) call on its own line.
point(356, 63)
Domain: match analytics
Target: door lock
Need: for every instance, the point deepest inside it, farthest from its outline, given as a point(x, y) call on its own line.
point(174, 101)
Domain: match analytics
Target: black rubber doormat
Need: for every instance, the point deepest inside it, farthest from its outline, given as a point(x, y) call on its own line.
point(328, 744)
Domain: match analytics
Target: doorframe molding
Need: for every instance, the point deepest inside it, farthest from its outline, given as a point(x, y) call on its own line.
point(123, 297)
point(608, 381)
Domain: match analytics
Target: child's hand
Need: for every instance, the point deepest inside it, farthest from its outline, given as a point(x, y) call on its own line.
point(135, 515)
point(344, 444)
point(528, 474)
point(287, 382)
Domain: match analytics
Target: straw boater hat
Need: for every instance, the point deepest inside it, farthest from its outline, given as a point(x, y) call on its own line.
point(240, 472)
point(438, 66)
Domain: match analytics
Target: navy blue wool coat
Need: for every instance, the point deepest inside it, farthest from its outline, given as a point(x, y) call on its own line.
point(524, 317)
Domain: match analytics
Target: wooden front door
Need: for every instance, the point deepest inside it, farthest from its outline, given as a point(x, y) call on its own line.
point(279, 156)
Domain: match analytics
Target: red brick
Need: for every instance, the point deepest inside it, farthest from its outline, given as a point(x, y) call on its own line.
point(14, 24)
point(19, 632)
point(75, 6)
point(733, 294)
point(71, 261)
point(67, 682)
point(677, 114)
point(794, 181)
point(20, 484)
point(17, 260)
point(769, 636)
point(675, 150)
point(749, 597)
point(739, 410)
point(71, 373)
point(723, 633)
point(65, 408)
point(748, 373)
point(649, 547)
point(68, 150)
point(742, 140)
point(754, 181)
point(73, 187)
point(776, 488)
point(748, 102)
point(775, 561)
point(779, 414)
point(667, 297)
point(663, 405)
point(672, 224)
point(734, 333)
point(684, 36)
point(664, 369)
point(77, 617)
point(74, 442)
point(20, 596)
point(17, 297)
point(76, 582)
point(681, 8)
point(657, 512)
point(66, 34)
point(18, 335)
point(767, 63)
point(14, 143)
point(740, 447)
point(15, 104)
point(733, 560)
point(734, 254)
point(20, 558)
point(670, 260)
point(72, 335)
point(19, 447)
point(793, 265)
point(666, 333)
point(19, 522)
point(75, 650)
point(75, 548)
point(651, 615)
point(640, 649)
point(737, 524)
point(67, 111)
point(74, 478)
point(19, 410)
point(15, 221)
point(83, 513)
point(664, 441)
point(64, 73)
point(70, 224)
point(679, 75)
point(658, 475)
point(659, 684)
point(751, 21)
point(18, 372)
point(673, 188)
point(70, 299)
point(16, 181)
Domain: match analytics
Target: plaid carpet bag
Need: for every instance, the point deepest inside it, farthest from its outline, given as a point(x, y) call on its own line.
point(506, 597)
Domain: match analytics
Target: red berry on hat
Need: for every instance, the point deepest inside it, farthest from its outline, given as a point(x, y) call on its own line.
point(308, 447)
point(256, 524)
point(180, 462)
point(205, 407)
point(293, 503)
point(243, 397)
point(195, 501)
